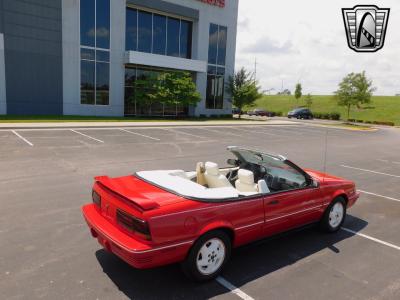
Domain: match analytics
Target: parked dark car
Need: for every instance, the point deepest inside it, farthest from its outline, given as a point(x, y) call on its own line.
point(260, 112)
point(300, 113)
point(236, 111)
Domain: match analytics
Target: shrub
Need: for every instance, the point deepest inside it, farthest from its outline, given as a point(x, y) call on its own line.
point(360, 121)
point(368, 122)
point(326, 116)
point(383, 123)
point(335, 116)
point(351, 120)
point(276, 114)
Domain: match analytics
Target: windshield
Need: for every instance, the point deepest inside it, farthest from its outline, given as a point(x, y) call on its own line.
point(279, 173)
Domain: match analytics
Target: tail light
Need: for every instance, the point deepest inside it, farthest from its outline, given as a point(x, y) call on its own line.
point(134, 225)
point(96, 198)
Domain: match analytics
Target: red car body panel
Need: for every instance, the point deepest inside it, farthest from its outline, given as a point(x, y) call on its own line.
point(176, 222)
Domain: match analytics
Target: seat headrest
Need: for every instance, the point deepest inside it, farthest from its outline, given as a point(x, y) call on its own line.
point(212, 168)
point(246, 176)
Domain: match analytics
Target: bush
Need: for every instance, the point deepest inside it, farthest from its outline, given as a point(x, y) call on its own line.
point(335, 116)
point(360, 121)
point(351, 120)
point(317, 116)
point(326, 116)
point(383, 123)
point(368, 122)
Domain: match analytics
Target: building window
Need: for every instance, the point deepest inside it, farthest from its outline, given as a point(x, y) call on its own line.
point(95, 51)
point(216, 67)
point(145, 21)
point(159, 34)
point(131, 29)
point(139, 107)
point(154, 33)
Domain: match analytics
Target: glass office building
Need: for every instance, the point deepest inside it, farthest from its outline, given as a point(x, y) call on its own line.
point(94, 55)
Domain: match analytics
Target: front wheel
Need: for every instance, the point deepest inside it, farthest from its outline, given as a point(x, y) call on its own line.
point(334, 215)
point(208, 256)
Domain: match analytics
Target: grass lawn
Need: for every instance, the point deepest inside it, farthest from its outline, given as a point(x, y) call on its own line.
point(382, 108)
point(54, 118)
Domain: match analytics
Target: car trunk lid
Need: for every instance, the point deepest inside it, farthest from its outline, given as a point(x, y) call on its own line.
point(137, 192)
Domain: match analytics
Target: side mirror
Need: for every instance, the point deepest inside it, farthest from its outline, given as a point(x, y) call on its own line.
point(314, 183)
point(232, 162)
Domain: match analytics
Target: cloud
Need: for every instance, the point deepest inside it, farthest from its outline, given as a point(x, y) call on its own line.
point(243, 23)
point(265, 45)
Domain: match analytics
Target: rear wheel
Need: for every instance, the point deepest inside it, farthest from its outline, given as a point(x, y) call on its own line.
point(334, 215)
point(208, 256)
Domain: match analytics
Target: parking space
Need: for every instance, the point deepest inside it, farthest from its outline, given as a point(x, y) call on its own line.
point(47, 252)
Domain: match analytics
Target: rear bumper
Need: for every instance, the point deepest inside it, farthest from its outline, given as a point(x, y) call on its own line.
point(131, 250)
point(353, 199)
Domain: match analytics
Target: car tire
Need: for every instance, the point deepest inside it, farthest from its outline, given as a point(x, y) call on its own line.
point(334, 216)
point(208, 256)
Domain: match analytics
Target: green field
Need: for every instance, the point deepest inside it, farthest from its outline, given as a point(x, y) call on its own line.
point(382, 108)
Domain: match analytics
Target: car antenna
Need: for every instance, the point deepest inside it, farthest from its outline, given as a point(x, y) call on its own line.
point(325, 154)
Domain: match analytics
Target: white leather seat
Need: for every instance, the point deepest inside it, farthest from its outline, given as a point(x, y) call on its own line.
point(263, 187)
point(200, 170)
point(245, 182)
point(214, 178)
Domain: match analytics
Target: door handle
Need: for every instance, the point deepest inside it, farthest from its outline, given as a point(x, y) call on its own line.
point(275, 202)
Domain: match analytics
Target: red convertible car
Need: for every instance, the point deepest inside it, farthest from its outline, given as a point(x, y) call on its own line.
point(154, 218)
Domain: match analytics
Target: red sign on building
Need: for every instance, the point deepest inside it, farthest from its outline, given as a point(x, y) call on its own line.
point(220, 3)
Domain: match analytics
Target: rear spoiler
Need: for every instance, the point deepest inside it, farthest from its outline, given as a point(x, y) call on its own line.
point(126, 194)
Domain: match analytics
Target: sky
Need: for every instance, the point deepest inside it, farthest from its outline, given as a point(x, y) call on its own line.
point(304, 41)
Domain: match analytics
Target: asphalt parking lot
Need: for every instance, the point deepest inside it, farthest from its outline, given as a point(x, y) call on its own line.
point(46, 250)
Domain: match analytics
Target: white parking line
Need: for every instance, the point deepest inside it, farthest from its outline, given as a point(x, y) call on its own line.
point(388, 161)
point(88, 136)
point(370, 171)
point(142, 135)
point(371, 238)
point(381, 196)
point(184, 133)
point(234, 290)
point(22, 138)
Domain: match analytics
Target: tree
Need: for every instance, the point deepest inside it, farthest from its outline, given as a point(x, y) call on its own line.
point(298, 92)
point(354, 90)
point(146, 90)
point(284, 92)
point(309, 100)
point(169, 88)
point(177, 88)
point(243, 89)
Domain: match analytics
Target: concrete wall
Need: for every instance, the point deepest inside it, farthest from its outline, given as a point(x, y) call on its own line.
point(3, 104)
point(71, 61)
point(33, 68)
